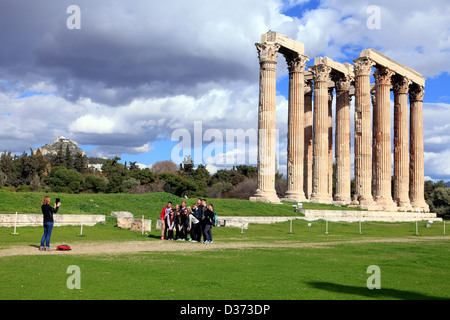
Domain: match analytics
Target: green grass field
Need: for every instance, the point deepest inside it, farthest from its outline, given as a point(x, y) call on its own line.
point(266, 262)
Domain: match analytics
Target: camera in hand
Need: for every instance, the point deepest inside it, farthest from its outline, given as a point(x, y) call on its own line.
point(58, 200)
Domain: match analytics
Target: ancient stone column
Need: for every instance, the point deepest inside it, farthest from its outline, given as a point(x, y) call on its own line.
point(320, 193)
point(342, 147)
point(363, 133)
point(401, 142)
point(373, 93)
point(416, 164)
point(308, 154)
point(330, 142)
point(295, 149)
point(382, 169)
point(268, 53)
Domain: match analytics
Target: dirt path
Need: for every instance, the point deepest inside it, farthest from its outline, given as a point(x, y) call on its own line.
point(86, 248)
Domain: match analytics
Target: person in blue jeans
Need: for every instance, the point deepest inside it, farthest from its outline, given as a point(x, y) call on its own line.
point(208, 222)
point(47, 212)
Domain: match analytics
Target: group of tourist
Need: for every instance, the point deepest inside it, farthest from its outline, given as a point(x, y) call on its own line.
point(176, 223)
point(182, 221)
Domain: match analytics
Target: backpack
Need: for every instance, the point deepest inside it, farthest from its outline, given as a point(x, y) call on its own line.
point(63, 247)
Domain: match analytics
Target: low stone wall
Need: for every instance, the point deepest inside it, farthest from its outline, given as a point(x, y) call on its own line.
point(126, 219)
point(239, 222)
point(353, 216)
point(33, 220)
point(331, 215)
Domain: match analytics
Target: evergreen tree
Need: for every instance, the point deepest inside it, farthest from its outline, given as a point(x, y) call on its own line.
point(80, 163)
point(8, 168)
point(68, 159)
point(58, 159)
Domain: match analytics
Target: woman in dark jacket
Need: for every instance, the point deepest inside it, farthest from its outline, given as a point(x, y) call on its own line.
point(47, 212)
point(208, 221)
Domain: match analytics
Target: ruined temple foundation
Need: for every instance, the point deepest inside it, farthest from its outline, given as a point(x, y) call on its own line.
point(312, 151)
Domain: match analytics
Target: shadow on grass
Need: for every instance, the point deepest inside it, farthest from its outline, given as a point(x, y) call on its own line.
point(374, 293)
point(153, 236)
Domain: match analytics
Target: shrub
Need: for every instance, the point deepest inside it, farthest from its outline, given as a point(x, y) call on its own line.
point(96, 184)
point(66, 180)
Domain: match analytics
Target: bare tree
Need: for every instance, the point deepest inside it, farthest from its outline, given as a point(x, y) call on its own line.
point(246, 188)
point(164, 166)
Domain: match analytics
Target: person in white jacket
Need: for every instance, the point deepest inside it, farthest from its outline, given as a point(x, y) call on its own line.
point(192, 225)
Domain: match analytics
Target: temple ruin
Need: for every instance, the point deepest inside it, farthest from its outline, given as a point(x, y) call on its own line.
point(311, 143)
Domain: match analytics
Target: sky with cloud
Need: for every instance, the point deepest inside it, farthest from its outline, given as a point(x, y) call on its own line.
point(139, 70)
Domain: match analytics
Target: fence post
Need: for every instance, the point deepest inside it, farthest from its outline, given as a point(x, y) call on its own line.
point(360, 227)
point(82, 220)
point(326, 226)
point(142, 225)
point(290, 230)
point(417, 229)
point(15, 224)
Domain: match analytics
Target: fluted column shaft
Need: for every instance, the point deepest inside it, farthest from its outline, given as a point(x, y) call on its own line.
point(382, 140)
point(330, 142)
point(320, 135)
point(268, 53)
point(401, 142)
point(416, 165)
point(308, 154)
point(295, 149)
point(342, 148)
point(363, 133)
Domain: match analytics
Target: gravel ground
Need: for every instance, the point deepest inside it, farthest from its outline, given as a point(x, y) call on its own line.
point(96, 248)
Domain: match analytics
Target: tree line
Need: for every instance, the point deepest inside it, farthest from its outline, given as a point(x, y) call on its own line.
point(64, 172)
point(68, 173)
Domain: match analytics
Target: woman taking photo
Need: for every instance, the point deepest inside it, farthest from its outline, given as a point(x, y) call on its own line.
point(47, 212)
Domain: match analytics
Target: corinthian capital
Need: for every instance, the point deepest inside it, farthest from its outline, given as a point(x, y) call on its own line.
point(363, 66)
point(343, 82)
point(416, 92)
point(400, 84)
point(267, 51)
point(320, 72)
point(308, 87)
point(296, 62)
point(383, 76)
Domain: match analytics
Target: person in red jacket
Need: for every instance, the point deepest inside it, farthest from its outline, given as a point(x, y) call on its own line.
point(165, 211)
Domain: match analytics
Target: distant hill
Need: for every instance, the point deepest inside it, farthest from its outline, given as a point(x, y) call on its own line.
point(51, 149)
point(447, 184)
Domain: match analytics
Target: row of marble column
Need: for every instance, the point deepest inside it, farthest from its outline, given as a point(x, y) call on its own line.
point(310, 135)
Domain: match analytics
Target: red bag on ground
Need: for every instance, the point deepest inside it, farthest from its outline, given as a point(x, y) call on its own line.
point(63, 247)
